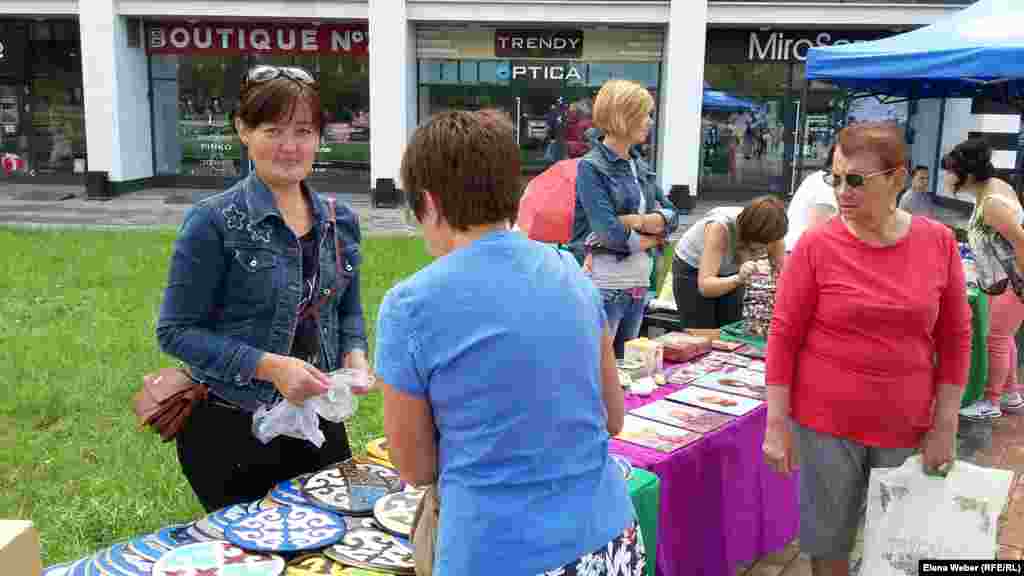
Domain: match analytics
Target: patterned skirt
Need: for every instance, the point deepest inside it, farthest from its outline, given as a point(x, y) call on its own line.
point(623, 556)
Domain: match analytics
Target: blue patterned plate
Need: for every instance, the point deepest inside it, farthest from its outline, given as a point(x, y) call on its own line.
point(229, 515)
point(77, 567)
point(289, 492)
point(128, 562)
point(373, 550)
point(351, 487)
point(149, 547)
point(217, 559)
point(57, 569)
point(175, 536)
point(286, 529)
point(105, 564)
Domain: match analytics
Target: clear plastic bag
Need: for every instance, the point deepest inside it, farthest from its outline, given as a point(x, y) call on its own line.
point(303, 422)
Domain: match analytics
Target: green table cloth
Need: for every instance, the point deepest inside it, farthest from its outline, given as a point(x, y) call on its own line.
point(978, 376)
point(644, 488)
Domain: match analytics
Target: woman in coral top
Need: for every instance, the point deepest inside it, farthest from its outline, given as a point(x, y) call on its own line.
point(866, 304)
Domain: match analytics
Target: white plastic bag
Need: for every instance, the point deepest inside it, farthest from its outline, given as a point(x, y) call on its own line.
point(303, 422)
point(912, 516)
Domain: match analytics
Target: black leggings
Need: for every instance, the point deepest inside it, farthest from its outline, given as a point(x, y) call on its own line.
point(696, 311)
point(226, 464)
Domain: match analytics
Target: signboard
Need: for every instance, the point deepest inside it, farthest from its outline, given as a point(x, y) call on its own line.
point(542, 72)
point(231, 38)
point(735, 46)
point(538, 43)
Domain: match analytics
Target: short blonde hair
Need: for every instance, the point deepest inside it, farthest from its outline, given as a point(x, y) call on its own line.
point(620, 105)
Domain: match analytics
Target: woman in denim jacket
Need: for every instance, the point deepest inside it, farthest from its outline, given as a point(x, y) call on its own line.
point(621, 213)
point(247, 265)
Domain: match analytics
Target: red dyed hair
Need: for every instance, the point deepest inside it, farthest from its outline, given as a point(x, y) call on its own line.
point(883, 139)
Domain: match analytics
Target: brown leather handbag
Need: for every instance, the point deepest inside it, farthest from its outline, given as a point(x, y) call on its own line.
point(166, 400)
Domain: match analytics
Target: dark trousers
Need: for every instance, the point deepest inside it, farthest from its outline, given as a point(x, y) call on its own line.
point(696, 311)
point(226, 464)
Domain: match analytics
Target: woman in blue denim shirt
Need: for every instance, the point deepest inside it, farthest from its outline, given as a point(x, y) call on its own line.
point(621, 214)
point(248, 268)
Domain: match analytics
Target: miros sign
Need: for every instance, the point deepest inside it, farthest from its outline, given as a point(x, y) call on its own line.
point(787, 46)
point(225, 38)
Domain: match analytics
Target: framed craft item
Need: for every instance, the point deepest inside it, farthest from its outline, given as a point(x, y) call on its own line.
point(714, 400)
point(373, 550)
point(395, 512)
point(682, 416)
point(726, 346)
point(351, 487)
point(739, 381)
point(286, 529)
point(217, 559)
point(656, 435)
point(692, 370)
point(751, 351)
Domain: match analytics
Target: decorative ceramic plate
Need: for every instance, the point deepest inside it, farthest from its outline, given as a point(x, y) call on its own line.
point(395, 512)
point(351, 488)
point(316, 565)
point(198, 535)
point(57, 569)
point(205, 526)
point(373, 550)
point(228, 515)
point(353, 522)
point(289, 492)
point(286, 529)
point(104, 564)
point(217, 559)
point(124, 561)
point(149, 547)
point(624, 465)
point(378, 448)
point(78, 567)
point(175, 536)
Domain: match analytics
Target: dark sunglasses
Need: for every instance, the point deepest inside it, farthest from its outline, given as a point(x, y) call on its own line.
point(852, 180)
point(266, 73)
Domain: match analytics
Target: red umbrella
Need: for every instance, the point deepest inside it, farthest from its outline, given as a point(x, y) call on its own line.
point(547, 207)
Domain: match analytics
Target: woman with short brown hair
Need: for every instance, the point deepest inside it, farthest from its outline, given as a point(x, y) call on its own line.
point(498, 374)
point(714, 260)
point(255, 303)
point(869, 346)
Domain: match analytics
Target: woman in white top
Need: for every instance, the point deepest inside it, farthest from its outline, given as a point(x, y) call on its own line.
point(813, 204)
point(968, 168)
point(714, 260)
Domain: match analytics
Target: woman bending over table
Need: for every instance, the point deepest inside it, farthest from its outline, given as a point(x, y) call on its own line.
point(498, 374)
point(715, 258)
point(865, 304)
point(997, 213)
point(249, 269)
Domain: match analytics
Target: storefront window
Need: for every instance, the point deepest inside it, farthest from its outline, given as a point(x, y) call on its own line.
point(195, 95)
point(550, 102)
point(42, 116)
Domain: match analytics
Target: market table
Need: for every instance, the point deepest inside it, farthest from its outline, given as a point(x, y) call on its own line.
point(720, 503)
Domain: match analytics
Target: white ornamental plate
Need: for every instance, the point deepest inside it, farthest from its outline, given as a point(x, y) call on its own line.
point(351, 488)
point(217, 558)
point(373, 550)
point(286, 529)
point(395, 512)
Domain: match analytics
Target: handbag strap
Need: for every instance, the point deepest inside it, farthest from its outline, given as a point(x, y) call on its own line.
point(339, 246)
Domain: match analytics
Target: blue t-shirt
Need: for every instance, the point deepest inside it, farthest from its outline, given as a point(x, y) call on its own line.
point(503, 338)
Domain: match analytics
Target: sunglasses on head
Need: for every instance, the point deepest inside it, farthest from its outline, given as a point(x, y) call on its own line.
point(266, 73)
point(852, 180)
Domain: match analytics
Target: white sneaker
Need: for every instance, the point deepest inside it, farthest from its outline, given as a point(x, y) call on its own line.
point(982, 410)
point(1012, 402)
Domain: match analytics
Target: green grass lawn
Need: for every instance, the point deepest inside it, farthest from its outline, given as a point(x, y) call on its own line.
point(77, 317)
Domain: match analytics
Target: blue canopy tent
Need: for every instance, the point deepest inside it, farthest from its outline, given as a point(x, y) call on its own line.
point(718, 100)
point(977, 51)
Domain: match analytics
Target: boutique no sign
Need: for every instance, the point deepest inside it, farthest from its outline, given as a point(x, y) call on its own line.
point(227, 38)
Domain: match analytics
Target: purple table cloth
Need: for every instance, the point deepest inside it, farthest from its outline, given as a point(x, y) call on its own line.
point(721, 505)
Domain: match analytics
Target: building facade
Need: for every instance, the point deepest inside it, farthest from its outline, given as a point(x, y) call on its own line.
point(119, 89)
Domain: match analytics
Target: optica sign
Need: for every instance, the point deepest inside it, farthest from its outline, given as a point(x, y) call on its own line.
point(230, 38)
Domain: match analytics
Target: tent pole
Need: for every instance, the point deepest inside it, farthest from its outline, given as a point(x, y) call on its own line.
point(937, 169)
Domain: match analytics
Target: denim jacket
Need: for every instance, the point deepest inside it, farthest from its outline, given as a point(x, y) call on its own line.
point(605, 190)
point(234, 287)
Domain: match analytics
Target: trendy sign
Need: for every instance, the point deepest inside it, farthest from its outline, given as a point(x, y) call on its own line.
point(225, 38)
point(538, 43)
